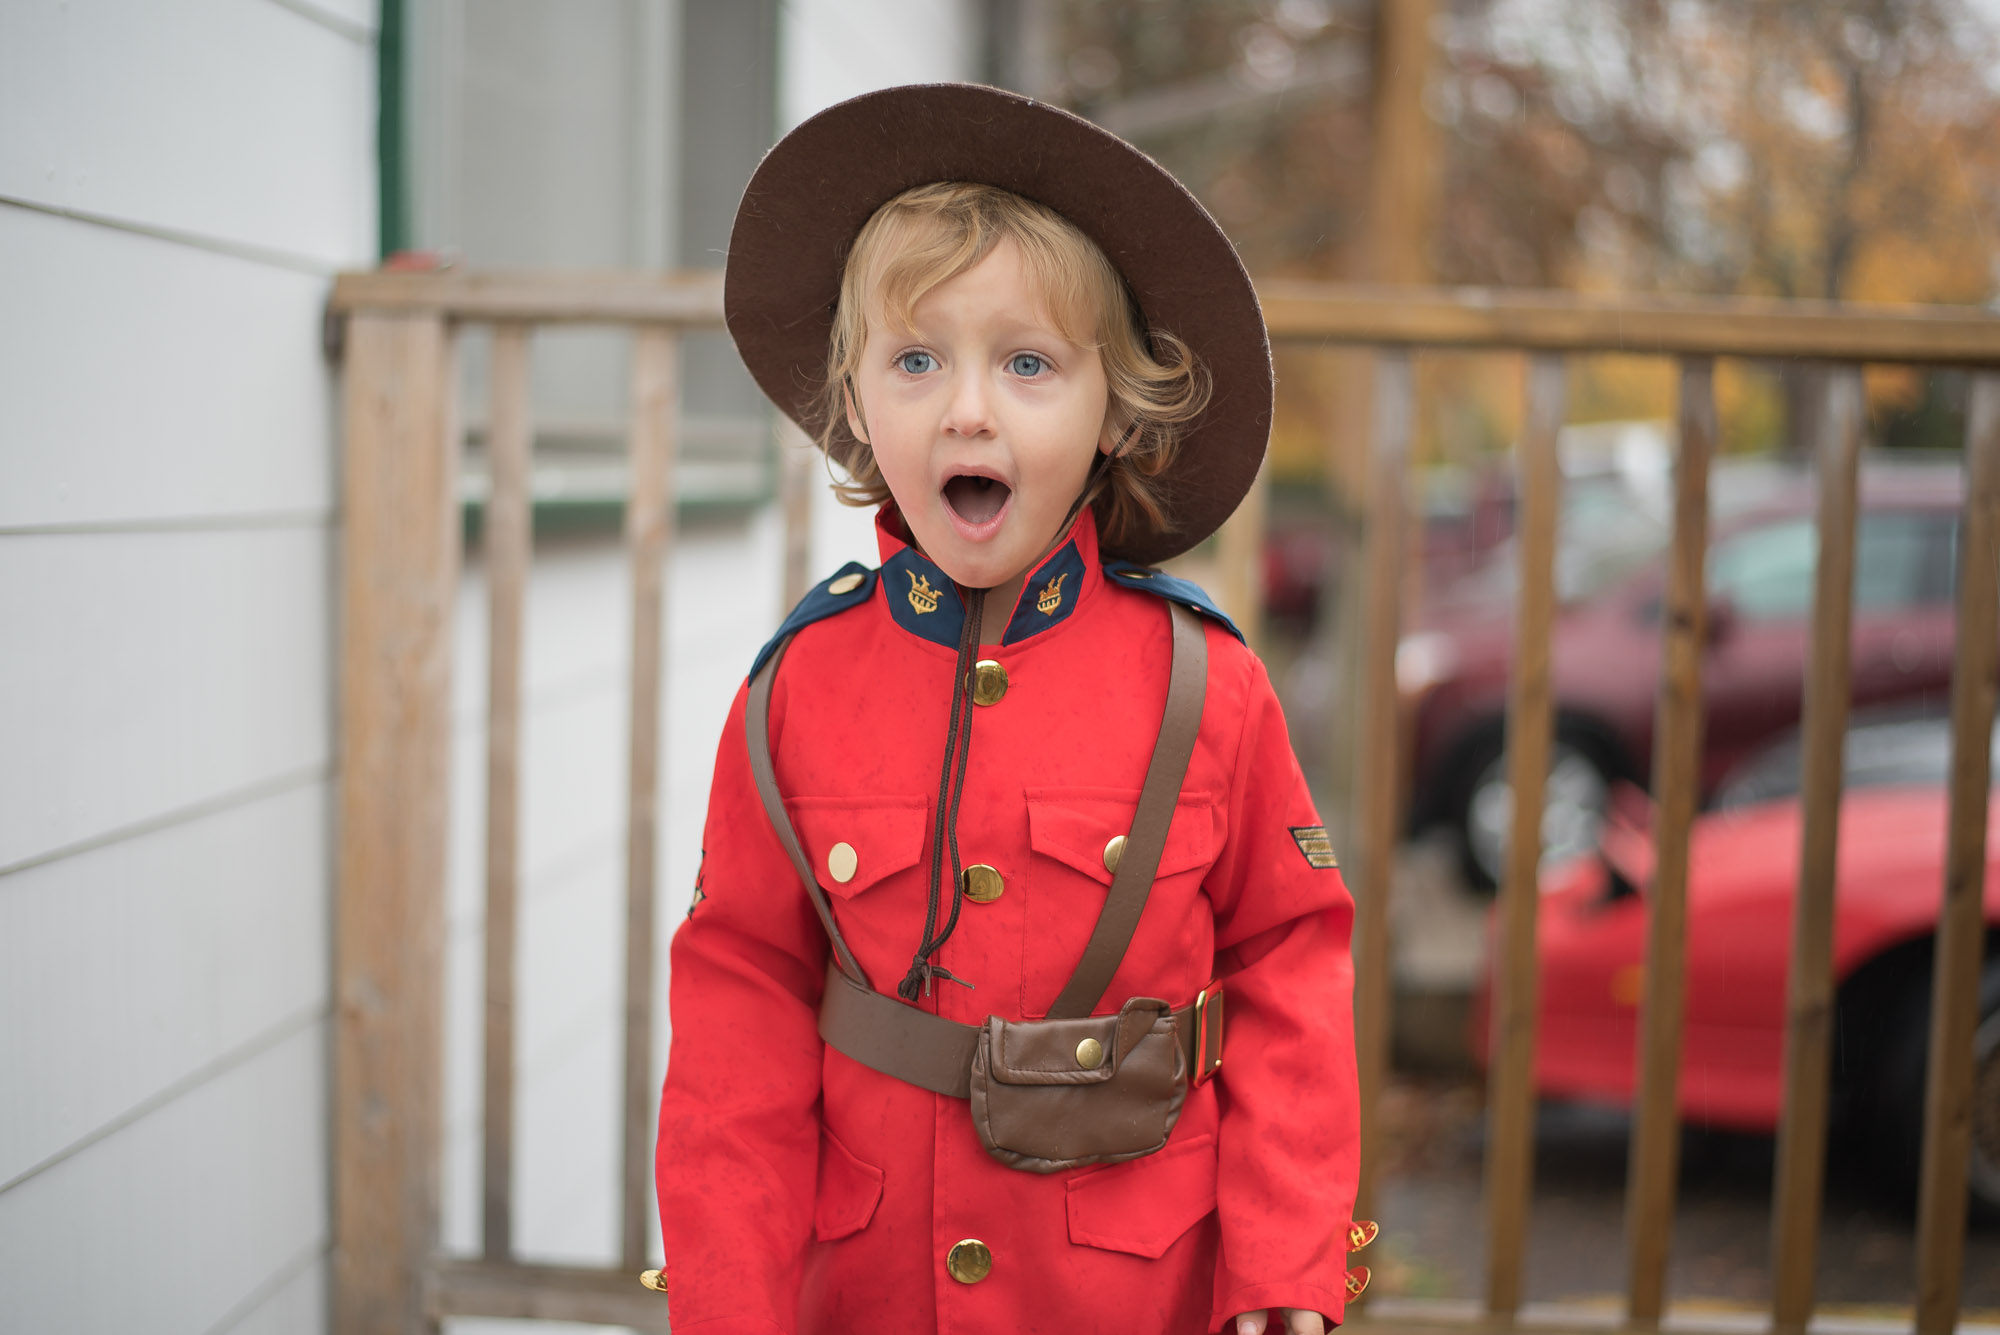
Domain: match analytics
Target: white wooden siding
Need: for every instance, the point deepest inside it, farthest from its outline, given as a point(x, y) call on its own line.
point(236, 122)
point(837, 49)
point(153, 672)
point(293, 1300)
point(171, 1223)
point(177, 179)
point(127, 973)
point(151, 381)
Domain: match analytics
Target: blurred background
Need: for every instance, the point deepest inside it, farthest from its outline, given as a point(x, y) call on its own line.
point(181, 180)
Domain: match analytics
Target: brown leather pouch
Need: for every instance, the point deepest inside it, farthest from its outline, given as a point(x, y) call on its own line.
point(1049, 1095)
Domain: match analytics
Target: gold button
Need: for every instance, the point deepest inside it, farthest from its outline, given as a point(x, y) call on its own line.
point(1090, 1054)
point(989, 682)
point(654, 1280)
point(981, 883)
point(846, 584)
point(969, 1261)
point(841, 862)
point(1113, 851)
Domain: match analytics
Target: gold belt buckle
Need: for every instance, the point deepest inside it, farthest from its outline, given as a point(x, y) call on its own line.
point(1207, 1032)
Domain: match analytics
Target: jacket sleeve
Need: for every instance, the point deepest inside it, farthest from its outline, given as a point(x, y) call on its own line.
point(1288, 1144)
point(738, 1153)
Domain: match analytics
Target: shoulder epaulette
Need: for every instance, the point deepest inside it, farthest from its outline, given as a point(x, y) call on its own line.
point(847, 587)
point(1171, 587)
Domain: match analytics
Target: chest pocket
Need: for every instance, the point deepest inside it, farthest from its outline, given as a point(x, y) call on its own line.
point(1070, 831)
point(854, 843)
point(862, 851)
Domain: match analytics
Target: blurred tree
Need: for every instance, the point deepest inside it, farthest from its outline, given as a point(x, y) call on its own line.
point(1845, 149)
point(1837, 149)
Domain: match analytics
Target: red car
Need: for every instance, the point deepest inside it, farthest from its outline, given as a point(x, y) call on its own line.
point(1452, 667)
point(1742, 878)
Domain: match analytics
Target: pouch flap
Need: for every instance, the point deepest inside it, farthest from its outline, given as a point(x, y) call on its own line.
point(1144, 1206)
point(1072, 825)
point(1048, 1052)
point(848, 1193)
point(885, 834)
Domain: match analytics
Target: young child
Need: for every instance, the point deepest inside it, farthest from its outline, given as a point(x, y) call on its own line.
point(1035, 351)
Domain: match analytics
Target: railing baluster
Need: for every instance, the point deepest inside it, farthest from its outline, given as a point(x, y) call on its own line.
point(797, 475)
point(1240, 550)
point(1941, 1205)
point(1795, 1196)
point(1650, 1188)
point(1379, 783)
point(649, 529)
point(508, 544)
point(399, 559)
point(1510, 1108)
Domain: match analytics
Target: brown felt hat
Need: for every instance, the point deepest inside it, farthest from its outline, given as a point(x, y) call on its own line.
point(815, 189)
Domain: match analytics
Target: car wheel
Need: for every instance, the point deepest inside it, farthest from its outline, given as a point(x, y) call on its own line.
point(1900, 1086)
point(1577, 794)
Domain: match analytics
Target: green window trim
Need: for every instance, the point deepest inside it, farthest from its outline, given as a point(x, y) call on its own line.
point(392, 192)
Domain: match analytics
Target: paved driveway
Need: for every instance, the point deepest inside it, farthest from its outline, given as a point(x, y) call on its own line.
point(1432, 1216)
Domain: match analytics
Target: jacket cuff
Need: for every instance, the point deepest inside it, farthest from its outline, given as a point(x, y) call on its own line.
point(1329, 1303)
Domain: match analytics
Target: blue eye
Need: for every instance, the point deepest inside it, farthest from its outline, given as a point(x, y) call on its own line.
point(916, 363)
point(1026, 364)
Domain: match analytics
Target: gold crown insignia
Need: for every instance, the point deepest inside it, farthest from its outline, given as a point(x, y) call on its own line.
point(922, 596)
point(1051, 597)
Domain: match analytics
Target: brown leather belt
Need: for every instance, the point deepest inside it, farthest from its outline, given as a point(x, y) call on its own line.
point(885, 1033)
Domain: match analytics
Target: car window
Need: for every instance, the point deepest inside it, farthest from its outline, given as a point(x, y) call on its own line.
point(1901, 559)
point(1766, 573)
point(1896, 564)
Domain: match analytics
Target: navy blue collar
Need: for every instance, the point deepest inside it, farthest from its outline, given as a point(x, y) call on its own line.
point(924, 601)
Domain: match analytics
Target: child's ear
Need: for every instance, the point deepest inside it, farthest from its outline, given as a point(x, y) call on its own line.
point(854, 414)
point(1116, 436)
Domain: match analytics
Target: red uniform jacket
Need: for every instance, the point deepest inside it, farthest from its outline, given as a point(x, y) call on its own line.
point(802, 1192)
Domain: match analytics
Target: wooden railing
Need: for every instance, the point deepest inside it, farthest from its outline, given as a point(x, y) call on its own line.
point(400, 572)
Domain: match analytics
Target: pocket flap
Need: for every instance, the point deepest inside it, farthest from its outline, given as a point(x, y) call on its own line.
point(1143, 1206)
point(1051, 1052)
point(884, 835)
point(848, 1191)
point(1073, 826)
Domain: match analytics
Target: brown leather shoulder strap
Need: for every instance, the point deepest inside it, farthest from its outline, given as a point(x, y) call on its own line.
point(757, 733)
point(1133, 882)
point(886, 1034)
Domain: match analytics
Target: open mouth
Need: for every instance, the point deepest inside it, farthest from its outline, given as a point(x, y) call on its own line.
point(976, 500)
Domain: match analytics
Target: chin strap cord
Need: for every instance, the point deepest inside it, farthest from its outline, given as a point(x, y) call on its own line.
point(951, 790)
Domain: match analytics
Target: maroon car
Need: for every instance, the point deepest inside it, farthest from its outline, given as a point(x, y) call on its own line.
point(1452, 666)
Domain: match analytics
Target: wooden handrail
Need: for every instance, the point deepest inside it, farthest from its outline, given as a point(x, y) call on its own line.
point(584, 297)
point(1533, 321)
point(1299, 312)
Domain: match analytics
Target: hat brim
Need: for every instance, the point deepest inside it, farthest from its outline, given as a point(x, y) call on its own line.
point(814, 190)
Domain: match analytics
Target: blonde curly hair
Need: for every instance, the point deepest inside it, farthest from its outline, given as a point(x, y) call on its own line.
point(930, 234)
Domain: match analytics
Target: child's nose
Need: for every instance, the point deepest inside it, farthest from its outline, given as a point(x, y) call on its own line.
point(969, 411)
